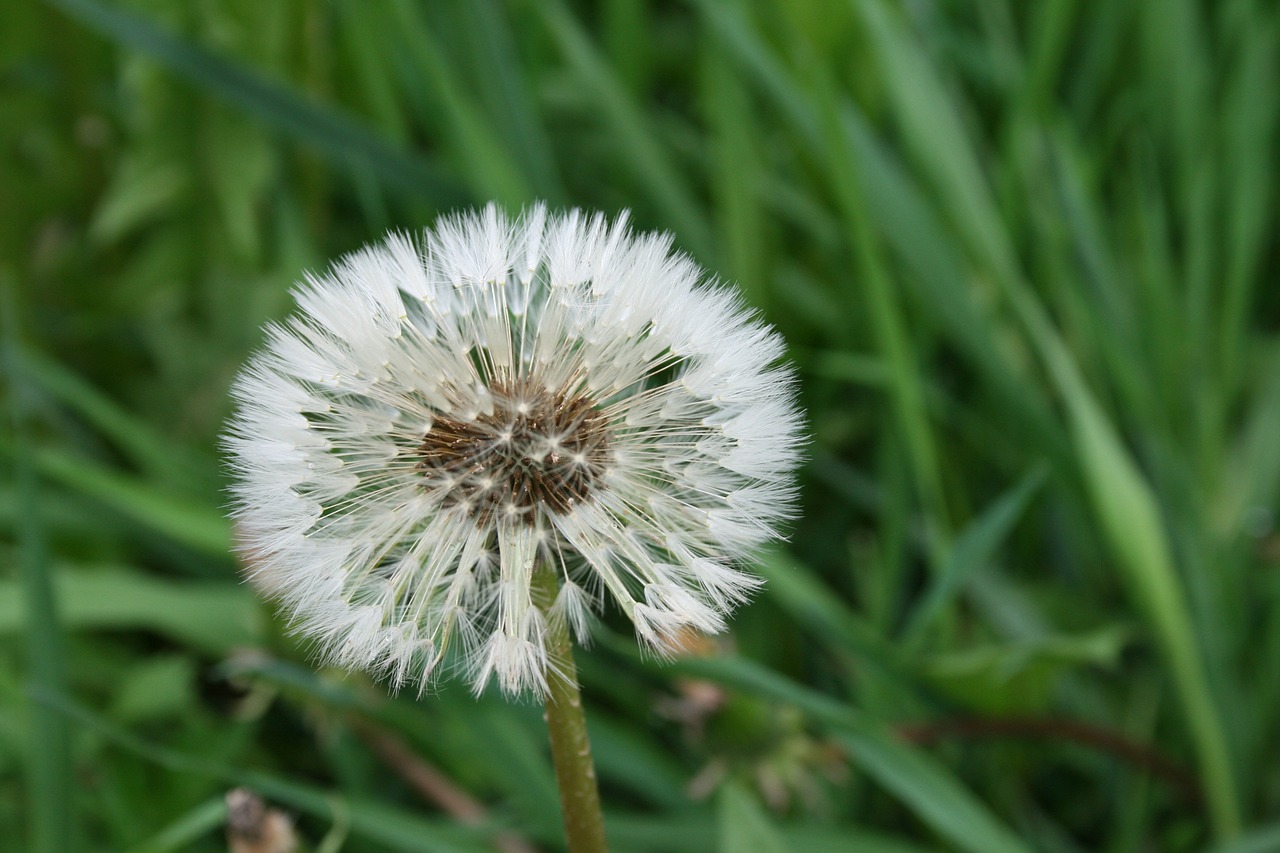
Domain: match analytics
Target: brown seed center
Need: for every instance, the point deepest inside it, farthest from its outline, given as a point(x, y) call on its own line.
point(536, 449)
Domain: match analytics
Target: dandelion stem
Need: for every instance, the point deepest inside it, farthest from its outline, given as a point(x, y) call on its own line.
point(567, 727)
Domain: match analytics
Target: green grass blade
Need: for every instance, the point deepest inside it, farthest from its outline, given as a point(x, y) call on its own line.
point(744, 827)
point(698, 832)
point(51, 823)
point(794, 588)
point(396, 828)
point(1051, 28)
point(905, 387)
point(204, 820)
point(508, 90)
point(1123, 501)
point(1252, 473)
point(215, 617)
point(632, 131)
point(1130, 519)
point(917, 780)
point(925, 247)
point(453, 729)
point(925, 787)
point(520, 760)
point(1265, 839)
point(973, 549)
point(626, 759)
point(144, 445)
point(197, 526)
point(1249, 128)
point(904, 217)
point(733, 30)
point(341, 137)
point(736, 174)
point(490, 168)
point(927, 115)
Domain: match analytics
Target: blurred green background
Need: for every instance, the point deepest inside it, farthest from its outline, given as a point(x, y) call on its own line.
point(1024, 254)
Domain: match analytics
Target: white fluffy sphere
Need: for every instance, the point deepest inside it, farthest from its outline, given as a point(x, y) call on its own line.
point(443, 418)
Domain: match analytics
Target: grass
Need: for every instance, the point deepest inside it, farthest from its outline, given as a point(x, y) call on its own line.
point(1021, 253)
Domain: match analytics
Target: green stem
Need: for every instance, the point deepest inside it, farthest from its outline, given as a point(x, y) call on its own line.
point(567, 727)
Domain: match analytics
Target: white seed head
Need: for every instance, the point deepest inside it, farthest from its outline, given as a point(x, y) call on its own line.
point(442, 418)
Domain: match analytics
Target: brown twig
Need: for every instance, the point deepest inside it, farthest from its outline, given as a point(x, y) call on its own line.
point(1142, 756)
point(432, 785)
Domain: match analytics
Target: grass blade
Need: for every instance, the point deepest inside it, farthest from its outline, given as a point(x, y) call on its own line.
point(1122, 499)
point(196, 526)
point(341, 137)
point(809, 603)
point(504, 83)
point(397, 829)
point(632, 130)
point(697, 833)
point(744, 827)
point(143, 444)
point(927, 115)
point(917, 780)
point(200, 822)
point(889, 325)
point(926, 788)
point(492, 171)
point(973, 549)
point(917, 235)
point(736, 175)
point(1130, 519)
point(216, 617)
point(1249, 131)
point(49, 768)
point(1264, 839)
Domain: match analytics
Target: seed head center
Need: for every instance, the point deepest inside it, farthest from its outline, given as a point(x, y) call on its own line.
point(536, 449)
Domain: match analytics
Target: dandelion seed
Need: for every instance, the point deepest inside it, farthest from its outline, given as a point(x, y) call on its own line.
point(442, 419)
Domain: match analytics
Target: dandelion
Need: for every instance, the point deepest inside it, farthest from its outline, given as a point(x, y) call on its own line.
point(446, 422)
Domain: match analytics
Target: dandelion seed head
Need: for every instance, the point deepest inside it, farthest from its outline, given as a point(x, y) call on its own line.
point(444, 416)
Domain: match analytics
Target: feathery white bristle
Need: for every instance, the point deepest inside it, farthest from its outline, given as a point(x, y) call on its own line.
point(550, 392)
